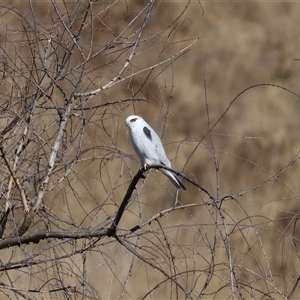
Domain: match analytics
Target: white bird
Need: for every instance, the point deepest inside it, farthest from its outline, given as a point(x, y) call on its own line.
point(149, 148)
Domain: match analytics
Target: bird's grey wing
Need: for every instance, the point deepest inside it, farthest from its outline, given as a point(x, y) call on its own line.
point(165, 162)
point(155, 152)
point(162, 155)
point(158, 155)
point(151, 145)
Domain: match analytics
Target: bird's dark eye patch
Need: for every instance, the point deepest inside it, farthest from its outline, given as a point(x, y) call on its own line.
point(133, 120)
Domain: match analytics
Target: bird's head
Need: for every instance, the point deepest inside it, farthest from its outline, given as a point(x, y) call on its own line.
point(134, 121)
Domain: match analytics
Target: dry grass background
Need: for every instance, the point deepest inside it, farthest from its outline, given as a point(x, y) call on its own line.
point(250, 253)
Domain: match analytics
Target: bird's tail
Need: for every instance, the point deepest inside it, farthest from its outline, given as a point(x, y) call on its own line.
point(174, 178)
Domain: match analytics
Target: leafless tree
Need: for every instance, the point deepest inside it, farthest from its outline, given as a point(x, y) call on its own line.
point(77, 219)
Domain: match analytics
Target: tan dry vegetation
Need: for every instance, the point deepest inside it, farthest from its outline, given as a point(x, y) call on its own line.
point(247, 248)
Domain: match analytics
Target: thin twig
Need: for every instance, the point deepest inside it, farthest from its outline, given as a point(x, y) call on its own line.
point(132, 53)
point(43, 188)
point(16, 180)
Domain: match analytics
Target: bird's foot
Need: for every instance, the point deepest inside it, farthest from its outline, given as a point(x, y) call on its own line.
point(145, 167)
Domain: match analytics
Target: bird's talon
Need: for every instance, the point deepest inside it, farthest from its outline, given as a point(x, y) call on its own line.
point(145, 167)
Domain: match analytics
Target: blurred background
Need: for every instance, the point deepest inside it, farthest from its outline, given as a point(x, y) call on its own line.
point(218, 81)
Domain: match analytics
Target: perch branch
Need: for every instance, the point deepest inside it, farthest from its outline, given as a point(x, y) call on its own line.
point(124, 203)
point(131, 188)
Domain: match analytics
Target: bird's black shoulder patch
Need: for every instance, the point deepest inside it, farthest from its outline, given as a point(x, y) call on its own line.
point(147, 133)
